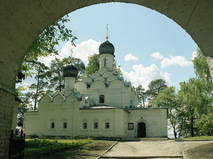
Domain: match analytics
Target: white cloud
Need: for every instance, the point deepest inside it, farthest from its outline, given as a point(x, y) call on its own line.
point(157, 55)
point(130, 57)
point(144, 75)
point(82, 51)
point(172, 60)
point(175, 61)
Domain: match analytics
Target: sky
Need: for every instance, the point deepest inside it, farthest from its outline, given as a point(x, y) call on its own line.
point(148, 45)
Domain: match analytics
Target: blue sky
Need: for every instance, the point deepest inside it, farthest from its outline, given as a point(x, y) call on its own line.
point(148, 45)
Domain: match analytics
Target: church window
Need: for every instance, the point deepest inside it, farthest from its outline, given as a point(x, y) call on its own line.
point(95, 125)
point(130, 126)
point(101, 99)
point(64, 125)
point(107, 125)
point(84, 125)
point(52, 125)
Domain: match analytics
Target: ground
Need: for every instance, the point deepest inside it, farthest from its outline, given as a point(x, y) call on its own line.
point(163, 149)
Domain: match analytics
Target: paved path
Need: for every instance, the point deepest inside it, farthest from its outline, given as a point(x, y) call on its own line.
point(163, 149)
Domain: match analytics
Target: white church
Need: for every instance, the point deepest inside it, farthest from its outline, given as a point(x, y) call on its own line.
point(101, 105)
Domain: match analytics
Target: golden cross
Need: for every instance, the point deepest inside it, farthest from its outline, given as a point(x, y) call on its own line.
point(107, 32)
point(71, 53)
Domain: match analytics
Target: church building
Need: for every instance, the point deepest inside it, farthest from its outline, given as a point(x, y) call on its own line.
point(101, 105)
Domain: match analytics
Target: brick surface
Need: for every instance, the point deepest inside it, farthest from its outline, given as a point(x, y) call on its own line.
point(6, 113)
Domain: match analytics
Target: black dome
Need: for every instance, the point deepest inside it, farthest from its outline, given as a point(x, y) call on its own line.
point(70, 71)
point(106, 48)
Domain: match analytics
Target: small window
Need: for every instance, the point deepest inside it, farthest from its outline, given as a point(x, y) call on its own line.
point(84, 125)
point(52, 125)
point(130, 126)
point(101, 99)
point(107, 125)
point(64, 125)
point(95, 125)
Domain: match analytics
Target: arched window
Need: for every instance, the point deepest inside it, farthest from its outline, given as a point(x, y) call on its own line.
point(84, 125)
point(52, 125)
point(101, 99)
point(95, 125)
point(65, 125)
point(106, 125)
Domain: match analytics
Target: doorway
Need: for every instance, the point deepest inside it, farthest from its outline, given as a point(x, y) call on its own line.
point(141, 130)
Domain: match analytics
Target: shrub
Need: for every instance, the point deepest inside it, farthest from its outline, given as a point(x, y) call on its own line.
point(205, 125)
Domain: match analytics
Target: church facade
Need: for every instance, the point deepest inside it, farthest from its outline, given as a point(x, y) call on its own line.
point(101, 105)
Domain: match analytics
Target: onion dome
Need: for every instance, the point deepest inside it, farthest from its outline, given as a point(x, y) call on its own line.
point(106, 48)
point(70, 71)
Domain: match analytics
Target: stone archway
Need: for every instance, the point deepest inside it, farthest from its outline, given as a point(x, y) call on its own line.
point(22, 21)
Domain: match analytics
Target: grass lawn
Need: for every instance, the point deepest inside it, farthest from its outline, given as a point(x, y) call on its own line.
point(199, 138)
point(63, 148)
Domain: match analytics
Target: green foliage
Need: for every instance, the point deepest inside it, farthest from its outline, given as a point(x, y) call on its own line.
point(205, 124)
point(195, 98)
point(46, 43)
point(37, 148)
point(39, 142)
point(141, 93)
point(155, 87)
point(168, 99)
point(201, 68)
point(48, 146)
point(38, 88)
point(56, 78)
point(93, 64)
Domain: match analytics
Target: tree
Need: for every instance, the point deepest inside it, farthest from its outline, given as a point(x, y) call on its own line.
point(46, 43)
point(141, 94)
point(38, 87)
point(168, 99)
point(155, 87)
point(93, 65)
point(204, 83)
point(24, 106)
point(56, 71)
point(205, 125)
point(190, 99)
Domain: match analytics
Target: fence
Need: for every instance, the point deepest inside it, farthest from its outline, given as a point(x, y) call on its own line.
point(16, 148)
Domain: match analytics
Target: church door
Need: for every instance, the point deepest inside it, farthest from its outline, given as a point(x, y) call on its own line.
point(141, 130)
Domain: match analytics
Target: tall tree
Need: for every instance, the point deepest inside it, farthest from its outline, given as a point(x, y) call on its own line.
point(154, 88)
point(41, 84)
point(190, 98)
point(168, 99)
point(93, 65)
point(56, 71)
point(141, 94)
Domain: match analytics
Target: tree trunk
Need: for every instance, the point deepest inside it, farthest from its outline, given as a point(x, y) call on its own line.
point(192, 122)
point(36, 94)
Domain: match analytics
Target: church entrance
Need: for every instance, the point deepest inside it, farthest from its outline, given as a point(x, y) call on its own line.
point(142, 130)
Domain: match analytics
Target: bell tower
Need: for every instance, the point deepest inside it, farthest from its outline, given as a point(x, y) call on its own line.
point(106, 52)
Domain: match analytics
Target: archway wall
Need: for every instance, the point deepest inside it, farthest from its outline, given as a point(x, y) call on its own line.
point(22, 21)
